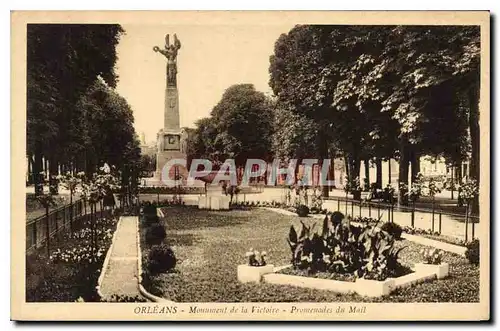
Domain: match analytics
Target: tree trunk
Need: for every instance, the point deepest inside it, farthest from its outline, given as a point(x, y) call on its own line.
point(367, 174)
point(322, 155)
point(403, 172)
point(475, 140)
point(354, 169)
point(389, 170)
point(331, 172)
point(346, 163)
point(296, 171)
point(38, 169)
point(378, 179)
point(415, 165)
point(53, 172)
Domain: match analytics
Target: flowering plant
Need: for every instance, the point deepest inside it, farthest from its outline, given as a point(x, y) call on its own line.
point(256, 258)
point(70, 181)
point(433, 187)
point(316, 199)
point(416, 188)
point(82, 254)
point(469, 190)
point(432, 255)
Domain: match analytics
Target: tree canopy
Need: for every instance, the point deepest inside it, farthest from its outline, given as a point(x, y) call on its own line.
point(239, 128)
point(75, 119)
point(381, 91)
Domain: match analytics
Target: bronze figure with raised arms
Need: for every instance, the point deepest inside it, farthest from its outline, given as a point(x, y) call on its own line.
point(170, 52)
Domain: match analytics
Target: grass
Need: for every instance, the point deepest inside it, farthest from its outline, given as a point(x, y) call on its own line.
point(209, 245)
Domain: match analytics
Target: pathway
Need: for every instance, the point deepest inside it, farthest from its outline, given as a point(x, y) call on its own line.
point(120, 268)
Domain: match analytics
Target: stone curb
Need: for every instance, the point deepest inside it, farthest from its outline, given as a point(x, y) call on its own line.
point(107, 258)
point(370, 288)
point(141, 288)
point(459, 250)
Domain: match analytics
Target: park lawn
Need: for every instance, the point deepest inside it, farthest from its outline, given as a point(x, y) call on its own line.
point(209, 245)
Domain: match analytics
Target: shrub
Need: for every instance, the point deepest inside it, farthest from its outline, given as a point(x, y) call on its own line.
point(302, 210)
point(151, 219)
point(256, 258)
point(337, 218)
point(432, 255)
point(161, 259)
point(393, 229)
point(149, 210)
point(472, 252)
point(155, 234)
point(345, 249)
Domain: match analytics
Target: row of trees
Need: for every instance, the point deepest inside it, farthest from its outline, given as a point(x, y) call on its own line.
point(368, 93)
point(75, 119)
point(379, 92)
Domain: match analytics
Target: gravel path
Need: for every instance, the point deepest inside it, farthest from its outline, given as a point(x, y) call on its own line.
point(120, 276)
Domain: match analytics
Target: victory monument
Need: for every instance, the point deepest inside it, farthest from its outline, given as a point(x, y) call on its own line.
point(170, 140)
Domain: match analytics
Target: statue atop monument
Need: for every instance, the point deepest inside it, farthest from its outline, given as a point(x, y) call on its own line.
point(170, 52)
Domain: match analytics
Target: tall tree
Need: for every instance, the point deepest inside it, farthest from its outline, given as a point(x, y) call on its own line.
point(63, 60)
point(243, 123)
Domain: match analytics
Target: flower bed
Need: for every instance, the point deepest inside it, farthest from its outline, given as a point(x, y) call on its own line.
point(321, 275)
point(73, 267)
point(432, 268)
point(209, 244)
point(364, 255)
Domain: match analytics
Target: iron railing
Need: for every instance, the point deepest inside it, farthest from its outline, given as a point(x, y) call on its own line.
point(436, 220)
point(58, 220)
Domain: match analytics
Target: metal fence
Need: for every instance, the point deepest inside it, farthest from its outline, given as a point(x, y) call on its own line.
point(57, 221)
point(457, 225)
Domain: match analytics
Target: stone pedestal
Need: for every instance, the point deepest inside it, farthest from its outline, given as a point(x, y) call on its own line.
point(440, 270)
point(213, 202)
point(171, 116)
point(374, 288)
point(248, 274)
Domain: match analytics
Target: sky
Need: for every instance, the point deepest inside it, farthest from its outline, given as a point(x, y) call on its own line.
point(211, 59)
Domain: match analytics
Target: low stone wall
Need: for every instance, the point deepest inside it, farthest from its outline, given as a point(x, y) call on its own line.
point(213, 202)
point(364, 287)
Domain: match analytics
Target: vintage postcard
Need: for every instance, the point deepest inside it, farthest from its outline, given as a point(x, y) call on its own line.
point(250, 165)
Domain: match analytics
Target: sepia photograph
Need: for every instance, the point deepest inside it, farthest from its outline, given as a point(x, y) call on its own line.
point(250, 166)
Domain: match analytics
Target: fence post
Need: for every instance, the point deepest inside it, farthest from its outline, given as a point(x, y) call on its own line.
point(466, 222)
point(338, 204)
point(378, 209)
point(360, 209)
point(413, 216)
point(47, 234)
point(432, 219)
point(389, 214)
point(440, 223)
point(369, 209)
point(473, 227)
point(35, 233)
point(352, 208)
point(64, 217)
